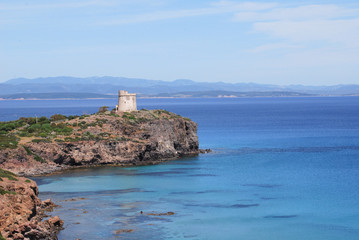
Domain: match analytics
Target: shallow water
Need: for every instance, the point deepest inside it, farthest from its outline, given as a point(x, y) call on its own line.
point(282, 168)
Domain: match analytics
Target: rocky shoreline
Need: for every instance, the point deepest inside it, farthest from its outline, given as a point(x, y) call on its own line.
point(138, 138)
point(32, 147)
point(22, 212)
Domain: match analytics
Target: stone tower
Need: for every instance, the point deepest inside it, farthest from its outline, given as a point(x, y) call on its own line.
point(126, 102)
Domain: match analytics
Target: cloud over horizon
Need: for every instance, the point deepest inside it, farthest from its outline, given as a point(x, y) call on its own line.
point(182, 37)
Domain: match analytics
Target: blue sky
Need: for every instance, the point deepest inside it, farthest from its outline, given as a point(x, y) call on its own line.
point(277, 42)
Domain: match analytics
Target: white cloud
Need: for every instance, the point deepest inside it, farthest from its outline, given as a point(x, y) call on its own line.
point(300, 13)
point(161, 15)
point(27, 6)
point(326, 31)
point(311, 26)
point(215, 8)
point(67, 4)
point(274, 46)
point(244, 6)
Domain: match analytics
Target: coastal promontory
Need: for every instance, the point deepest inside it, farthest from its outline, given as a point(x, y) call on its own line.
point(34, 146)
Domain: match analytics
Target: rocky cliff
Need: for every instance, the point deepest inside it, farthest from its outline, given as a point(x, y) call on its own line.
point(21, 211)
point(137, 138)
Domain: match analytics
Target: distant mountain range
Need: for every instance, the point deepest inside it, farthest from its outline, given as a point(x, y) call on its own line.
point(107, 87)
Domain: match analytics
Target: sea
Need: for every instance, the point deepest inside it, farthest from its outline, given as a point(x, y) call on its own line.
point(281, 168)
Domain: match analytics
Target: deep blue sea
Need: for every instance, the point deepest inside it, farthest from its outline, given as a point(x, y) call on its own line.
point(281, 168)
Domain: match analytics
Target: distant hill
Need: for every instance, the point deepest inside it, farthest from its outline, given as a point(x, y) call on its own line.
point(64, 95)
point(199, 94)
point(228, 94)
point(105, 86)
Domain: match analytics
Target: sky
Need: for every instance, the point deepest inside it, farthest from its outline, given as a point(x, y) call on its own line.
point(270, 42)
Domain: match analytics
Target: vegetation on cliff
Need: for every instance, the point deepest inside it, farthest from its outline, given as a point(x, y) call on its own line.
point(8, 175)
point(60, 128)
point(140, 137)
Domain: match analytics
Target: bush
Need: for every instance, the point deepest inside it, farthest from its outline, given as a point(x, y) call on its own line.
point(128, 116)
point(29, 152)
point(24, 134)
point(57, 117)
point(103, 109)
point(72, 117)
point(61, 128)
point(162, 111)
point(28, 120)
point(43, 120)
point(7, 174)
point(46, 127)
point(38, 140)
point(43, 134)
point(7, 127)
point(34, 128)
point(8, 141)
point(3, 192)
point(38, 158)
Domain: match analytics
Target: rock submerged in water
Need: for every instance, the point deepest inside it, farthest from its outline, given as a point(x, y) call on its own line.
point(21, 211)
point(117, 232)
point(137, 138)
point(161, 214)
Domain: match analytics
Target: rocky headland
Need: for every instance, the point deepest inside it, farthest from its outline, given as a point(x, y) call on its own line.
point(22, 212)
point(35, 146)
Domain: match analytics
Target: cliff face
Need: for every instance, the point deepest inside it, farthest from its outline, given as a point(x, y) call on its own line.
point(143, 137)
point(21, 211)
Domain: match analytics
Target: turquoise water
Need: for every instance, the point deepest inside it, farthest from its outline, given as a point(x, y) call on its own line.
point(282, 168)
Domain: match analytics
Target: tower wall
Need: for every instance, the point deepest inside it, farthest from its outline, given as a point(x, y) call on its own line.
point(126, 101)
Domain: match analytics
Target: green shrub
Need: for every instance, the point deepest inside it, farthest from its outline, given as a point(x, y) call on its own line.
point(43, 120)
point(61, 128)
point(43, 134)
point(7, 126)
point(7, 174)
point(28, 181)
point(34, 128)
point(1, 237)
point(162, 111)
point(89, 136)
point(128, 116)
point(24, 134)
point(46, 127)
point(29, 152)
point(38, 158)
point(57, 117)
point(103, 109)
point(8, 141)
point(70, 139)
point(3, 192)
point(28, 120)
point(38, 140)
point(72, 117)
